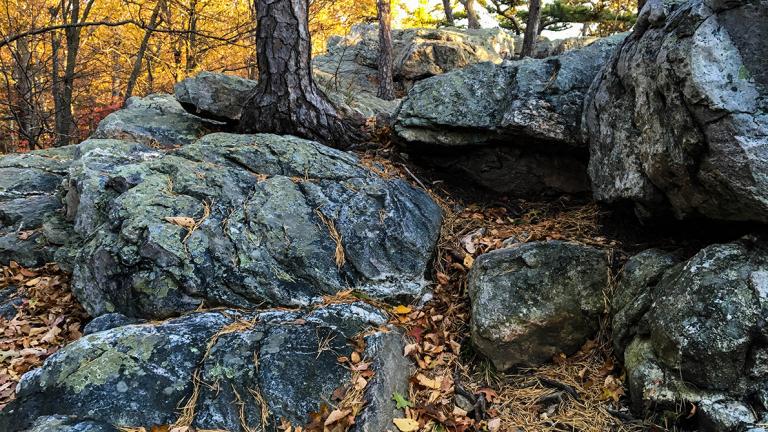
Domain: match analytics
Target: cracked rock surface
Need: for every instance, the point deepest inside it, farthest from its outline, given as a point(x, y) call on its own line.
point(677, 121)
point(32, 224)
point(695, 332)
point(241, 220)
point(512, 127)
point(139, 375)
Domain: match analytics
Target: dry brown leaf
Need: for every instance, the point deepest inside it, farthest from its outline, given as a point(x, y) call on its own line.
point(182, 221)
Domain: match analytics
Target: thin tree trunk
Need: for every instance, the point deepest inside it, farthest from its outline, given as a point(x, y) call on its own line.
point(287, 100)
point(386, 82)
point(473, 21)
point(191, 45)
point(24, 107)
point(253, 69)
point(65, 120)
point(531, 28)
point(448, 8)
point(153, 21)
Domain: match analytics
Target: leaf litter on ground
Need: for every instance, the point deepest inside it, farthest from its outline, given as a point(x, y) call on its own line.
point(46, 318)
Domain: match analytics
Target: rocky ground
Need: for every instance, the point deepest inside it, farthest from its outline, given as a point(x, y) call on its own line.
point(574, 242)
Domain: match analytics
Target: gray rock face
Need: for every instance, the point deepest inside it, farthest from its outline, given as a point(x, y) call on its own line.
point(533, 301)
point(214, 95)
point(157, 120)
point(352, 61)
point(677, 121)
point(67, 424)
point(512, 127)
point(241, 220)
point(221, 97)
point(31, 213)
point(702, 338)
point(634, 293)
point(139, 375)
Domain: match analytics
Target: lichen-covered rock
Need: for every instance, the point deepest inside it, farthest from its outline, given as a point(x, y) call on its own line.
point(677, 121)
point(223, 365)
point(31, 228)
point(221, 97)
point(634, 293)
point(352, 60)
point(157, 120)
point(215, 95)
point(241, 220)
point(533, 301)
point(702, 338)
point(512, 127)
point(68, 424)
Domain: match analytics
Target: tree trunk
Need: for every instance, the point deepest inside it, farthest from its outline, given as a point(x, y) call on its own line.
point(153, 21)
point(448, 13)
point(23, 106)
point(473, 21)
point(531, 28)
point(65, 120)
point(287, 100)
point(191, 45)
point(386, 82)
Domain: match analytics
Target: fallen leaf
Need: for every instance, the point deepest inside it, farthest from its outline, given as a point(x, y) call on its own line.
point(401, 401)
point(335, 416)
point(406, 424)
point(494, 424)
point(401, 310)
point(182, 221)
point(427, 382)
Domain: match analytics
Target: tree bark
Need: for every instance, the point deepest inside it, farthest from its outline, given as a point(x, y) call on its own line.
point(65, 120)
point(531, 28)
point(386, 81)
point(287, 100)
point(473, 21)
point(153, 21)
point(191, 45)
point(448, 8)
point(23, 105)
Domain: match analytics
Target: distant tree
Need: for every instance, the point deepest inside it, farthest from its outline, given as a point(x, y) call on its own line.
point(386, 82)
point(71, 13)
point(600, 17)
point(531, 28)
point(448, 9)
point(287, 100)
point(473, 21)
point(154, 20)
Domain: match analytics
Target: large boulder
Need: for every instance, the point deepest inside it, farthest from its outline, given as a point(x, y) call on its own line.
point(241, 220)
point(698, 334)
point(228, 370)
point(512, 127)
point(32, 225)
point(157, 120)
point(677, 121)
point(533, 301)
point(351, 62)
point(221, 97)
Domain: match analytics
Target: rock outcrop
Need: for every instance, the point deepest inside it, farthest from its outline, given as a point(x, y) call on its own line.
point(533, 301)
point(697, 333)
point(512, 127)
point(240, 220)
point(221, 97)
point(351, 62)
point(158, 121)
point(677, 121)
point(32, 224)
point(224, 368)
